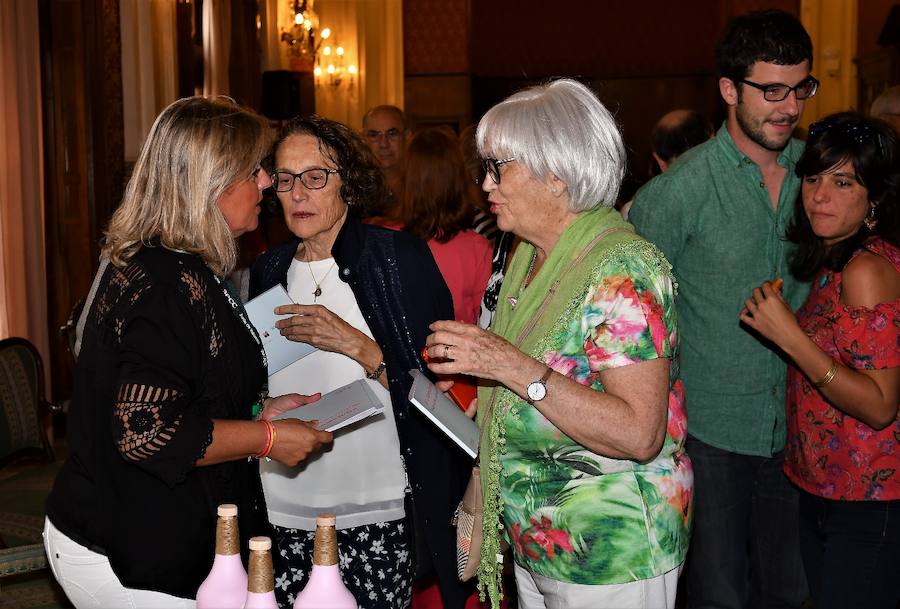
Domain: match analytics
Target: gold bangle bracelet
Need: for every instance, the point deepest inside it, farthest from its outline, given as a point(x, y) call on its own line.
point(829, 376)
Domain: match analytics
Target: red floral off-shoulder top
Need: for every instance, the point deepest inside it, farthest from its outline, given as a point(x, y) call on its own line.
point(831, 454)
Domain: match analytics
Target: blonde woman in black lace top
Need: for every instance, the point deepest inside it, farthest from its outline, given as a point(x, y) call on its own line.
point(160, 426)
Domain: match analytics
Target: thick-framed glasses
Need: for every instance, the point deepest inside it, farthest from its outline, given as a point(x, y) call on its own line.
point(393, 134)
point(492, 167)
point(777, 92)
point(312, 179)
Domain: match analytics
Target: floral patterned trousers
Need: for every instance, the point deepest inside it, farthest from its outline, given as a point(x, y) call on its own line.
point(375, 562)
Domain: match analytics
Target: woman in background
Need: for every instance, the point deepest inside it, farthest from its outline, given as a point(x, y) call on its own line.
point(438, 205)
point(843, 428)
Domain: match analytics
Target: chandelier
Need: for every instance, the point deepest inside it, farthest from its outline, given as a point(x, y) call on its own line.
point(308, 47)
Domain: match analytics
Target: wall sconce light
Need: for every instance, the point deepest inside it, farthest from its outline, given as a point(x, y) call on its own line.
point(332, 58)
point(309, 48)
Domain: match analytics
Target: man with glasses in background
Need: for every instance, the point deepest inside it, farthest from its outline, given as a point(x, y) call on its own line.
point(386, 131)
point(719, 214)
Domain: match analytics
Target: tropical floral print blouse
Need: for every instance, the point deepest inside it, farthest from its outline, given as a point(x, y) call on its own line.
point(573, 515)
point(831, 454)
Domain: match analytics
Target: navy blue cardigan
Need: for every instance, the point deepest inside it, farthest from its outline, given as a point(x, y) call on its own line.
point(400, 291)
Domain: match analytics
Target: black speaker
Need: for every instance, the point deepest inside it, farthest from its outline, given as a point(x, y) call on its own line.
point(286, 94)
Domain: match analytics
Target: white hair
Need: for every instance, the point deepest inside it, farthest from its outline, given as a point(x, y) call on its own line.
point(559, 128)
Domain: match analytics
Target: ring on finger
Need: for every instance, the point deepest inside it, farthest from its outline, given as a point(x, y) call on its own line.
point(446, 351)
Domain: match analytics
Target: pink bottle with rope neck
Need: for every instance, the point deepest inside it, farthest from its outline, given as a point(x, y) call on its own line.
point(261, 583)
point(226, 585)
point(325, 588)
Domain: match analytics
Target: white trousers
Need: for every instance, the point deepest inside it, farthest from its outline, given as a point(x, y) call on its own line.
point(89, 581)
point(538, 592)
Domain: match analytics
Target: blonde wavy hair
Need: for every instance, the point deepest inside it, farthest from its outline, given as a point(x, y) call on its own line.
point(196, 149)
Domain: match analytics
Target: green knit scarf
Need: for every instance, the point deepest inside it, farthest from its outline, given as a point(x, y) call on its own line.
point(509, 322)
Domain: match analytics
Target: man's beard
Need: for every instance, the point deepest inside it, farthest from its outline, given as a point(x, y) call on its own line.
point(756, 134)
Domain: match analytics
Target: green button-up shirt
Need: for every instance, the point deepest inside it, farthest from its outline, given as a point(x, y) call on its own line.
point(711, 215)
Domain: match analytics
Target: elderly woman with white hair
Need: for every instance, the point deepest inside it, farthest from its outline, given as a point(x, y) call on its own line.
point(582, 455)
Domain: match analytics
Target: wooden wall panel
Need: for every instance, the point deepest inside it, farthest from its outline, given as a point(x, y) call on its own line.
point(643, 58)
point(436, 37)
point(872, 15)
point(244, 72)
point(439, 100)
point(83, 152)
point(610, 39)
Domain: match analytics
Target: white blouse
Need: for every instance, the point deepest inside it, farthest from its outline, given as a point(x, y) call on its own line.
point(361, 478)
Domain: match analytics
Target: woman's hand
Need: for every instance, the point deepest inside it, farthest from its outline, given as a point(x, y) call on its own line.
point(767, 313)
point(446, 384)
point(316, 325)
point(459, 348)
point(296, 440)
point(284, 403)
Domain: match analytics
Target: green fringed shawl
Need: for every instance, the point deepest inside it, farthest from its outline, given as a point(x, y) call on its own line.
point(510, 321)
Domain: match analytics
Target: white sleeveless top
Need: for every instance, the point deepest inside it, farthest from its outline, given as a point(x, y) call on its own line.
point(360, 478)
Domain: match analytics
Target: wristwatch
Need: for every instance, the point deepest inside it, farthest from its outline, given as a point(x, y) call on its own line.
point(537, 390)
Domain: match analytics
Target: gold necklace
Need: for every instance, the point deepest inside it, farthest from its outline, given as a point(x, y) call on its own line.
point(318, 291)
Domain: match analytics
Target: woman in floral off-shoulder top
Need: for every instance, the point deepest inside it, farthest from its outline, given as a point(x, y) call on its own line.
point(843, 445)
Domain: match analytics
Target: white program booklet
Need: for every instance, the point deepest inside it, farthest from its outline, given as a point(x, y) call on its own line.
point(280, 351)
point(343, 406)
point(444, 413)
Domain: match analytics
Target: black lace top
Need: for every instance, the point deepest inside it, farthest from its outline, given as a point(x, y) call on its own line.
point(163, 354)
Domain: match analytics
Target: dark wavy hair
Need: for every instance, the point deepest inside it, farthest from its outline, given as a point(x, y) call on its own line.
point(771, 36)
point(873, 148)
point(439, 198)
point(362, 183)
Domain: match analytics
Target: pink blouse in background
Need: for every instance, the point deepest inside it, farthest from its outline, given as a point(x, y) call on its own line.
point(465, 263)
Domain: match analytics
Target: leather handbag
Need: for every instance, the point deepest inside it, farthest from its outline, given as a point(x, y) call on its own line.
point(468, 522)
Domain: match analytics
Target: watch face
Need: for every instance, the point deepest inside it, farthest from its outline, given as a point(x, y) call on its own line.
point(536, 391)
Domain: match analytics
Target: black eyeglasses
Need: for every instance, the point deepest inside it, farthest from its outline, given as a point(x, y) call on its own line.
point(312, 179)
point(491, 167)
point(777, 92)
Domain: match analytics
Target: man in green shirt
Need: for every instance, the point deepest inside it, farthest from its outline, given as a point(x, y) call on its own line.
point(719, 214)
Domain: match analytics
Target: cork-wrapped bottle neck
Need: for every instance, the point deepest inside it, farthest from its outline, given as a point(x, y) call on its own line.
point(261, 578)
point(228, 540)
point(326, 550)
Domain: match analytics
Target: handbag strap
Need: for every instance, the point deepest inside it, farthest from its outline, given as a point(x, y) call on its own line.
point(86, 308)
point(543, 307)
